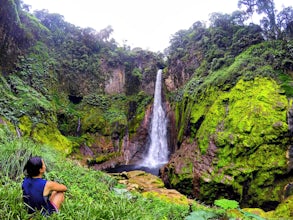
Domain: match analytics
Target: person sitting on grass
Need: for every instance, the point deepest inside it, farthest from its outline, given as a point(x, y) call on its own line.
point(38, 193)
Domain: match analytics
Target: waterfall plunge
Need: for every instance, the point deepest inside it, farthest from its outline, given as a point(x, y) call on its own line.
point(157, 154)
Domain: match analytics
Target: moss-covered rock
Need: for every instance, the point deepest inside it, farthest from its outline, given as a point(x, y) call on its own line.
point(248, 127)
point(255, 211)
point(285, 209)
point(252, 113)
point(7, 130)
point(46, 133)
point(92, 121)
point(151, 187)
point(50, 135)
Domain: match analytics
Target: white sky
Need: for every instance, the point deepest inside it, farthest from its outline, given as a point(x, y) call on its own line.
point(146, 24)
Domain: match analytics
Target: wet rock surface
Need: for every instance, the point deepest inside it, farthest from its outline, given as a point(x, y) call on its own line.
point(149, 184)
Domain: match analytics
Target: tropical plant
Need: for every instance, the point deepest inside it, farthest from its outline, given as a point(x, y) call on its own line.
point(226, 203)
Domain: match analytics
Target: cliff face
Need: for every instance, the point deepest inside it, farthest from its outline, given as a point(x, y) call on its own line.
point(239, 148)
point(234, 139)
point(69, 82)
point(116, 83)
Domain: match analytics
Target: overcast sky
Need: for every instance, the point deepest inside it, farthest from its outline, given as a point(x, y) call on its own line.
point(148, 24)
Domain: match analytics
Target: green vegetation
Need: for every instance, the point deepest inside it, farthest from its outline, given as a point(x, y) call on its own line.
point(232, 93)
point(202, 215)
point(90, 195)
point(286, 84)
point(226, 203)
point(258, 102)
point(244, 123)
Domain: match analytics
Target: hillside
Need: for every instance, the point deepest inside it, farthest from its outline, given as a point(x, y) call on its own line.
point(232, 98)
point(228, 91)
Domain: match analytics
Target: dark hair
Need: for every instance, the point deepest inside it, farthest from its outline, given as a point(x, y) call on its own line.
point(33, 166)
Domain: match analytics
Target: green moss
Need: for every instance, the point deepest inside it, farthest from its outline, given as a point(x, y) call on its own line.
point(173, 199)
point(115, 115)
point(182, 117)
point(265, 157)
point(105, 157)
point(142, 102)
point(25, 125)
point(254, 213)
point(253, 112)
point(200, 108)
point(136, 121)
point(284, 210)
point(179, 116)
point(246, 124)
point(213, 116)
point(159, 183)
point(50, 135)
point(256, 115)
point(287, 84)
point(45, 133)
point(93, 121)
point(7, 130)
point(183, 179)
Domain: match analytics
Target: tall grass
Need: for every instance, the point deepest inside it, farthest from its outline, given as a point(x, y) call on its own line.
point(90, 194)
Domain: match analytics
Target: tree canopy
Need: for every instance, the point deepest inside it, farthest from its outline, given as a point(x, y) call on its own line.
point(275, 25)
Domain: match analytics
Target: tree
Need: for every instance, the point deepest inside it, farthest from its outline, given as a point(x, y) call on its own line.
point(105, 33)
point(239, 17)
point(219, 20)
point(178, 41)
point(249, 4)
point(12, 38)
point(266, 7)
point(285, 22)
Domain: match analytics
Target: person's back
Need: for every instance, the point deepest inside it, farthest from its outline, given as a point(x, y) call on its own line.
point(40, 194)
point(33, 189)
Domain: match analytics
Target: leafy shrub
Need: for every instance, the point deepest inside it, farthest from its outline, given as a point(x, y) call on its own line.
point(287, 84)
point(136, 72)
point(226, 203)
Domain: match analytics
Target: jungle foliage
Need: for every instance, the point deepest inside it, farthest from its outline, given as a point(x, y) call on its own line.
point(54, 76)
point(253, 64)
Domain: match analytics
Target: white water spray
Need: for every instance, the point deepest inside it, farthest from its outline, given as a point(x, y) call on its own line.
point(158, 150)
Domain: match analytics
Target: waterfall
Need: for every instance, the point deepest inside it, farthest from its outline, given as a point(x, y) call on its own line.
point(157, 154)
point(78, 126)
point(18, 132)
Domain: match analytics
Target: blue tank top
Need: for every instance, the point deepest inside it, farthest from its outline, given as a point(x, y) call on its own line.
point(33, 189)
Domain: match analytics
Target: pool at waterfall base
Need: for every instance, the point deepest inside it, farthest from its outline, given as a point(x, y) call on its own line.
point(126, 168)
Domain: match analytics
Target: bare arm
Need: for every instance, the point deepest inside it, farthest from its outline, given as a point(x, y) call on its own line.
point(53, 186)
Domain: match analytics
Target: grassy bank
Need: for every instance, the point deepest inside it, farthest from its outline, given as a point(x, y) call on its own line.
point(90, 195)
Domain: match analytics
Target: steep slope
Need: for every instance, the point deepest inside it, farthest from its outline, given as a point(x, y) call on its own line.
point(233, 130)
point(70, 87)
